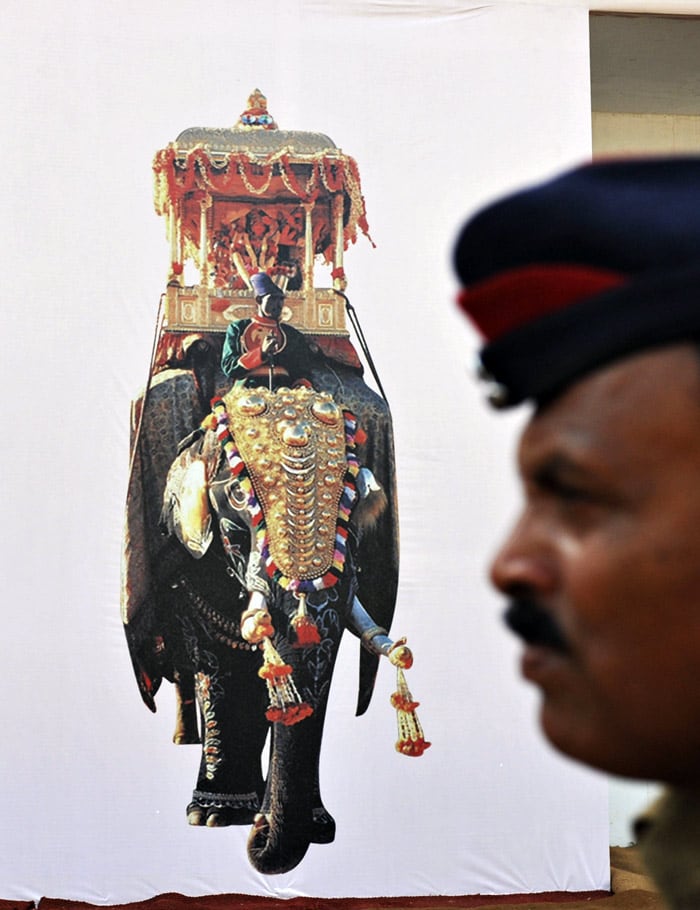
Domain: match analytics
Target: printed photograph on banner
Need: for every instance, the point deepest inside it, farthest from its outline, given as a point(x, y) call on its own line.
point(261, 513)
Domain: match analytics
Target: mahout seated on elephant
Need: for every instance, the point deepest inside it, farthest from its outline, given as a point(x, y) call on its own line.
point(260, 350)
point(273, 506)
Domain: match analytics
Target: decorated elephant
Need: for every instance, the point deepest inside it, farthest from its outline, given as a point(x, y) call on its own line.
point(272, 537)
point(261, 520)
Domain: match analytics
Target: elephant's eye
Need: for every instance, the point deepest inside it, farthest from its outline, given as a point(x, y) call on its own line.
point(236, 496)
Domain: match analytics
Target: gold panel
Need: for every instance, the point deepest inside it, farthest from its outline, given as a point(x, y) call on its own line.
point(293, 444)
point(190, 309)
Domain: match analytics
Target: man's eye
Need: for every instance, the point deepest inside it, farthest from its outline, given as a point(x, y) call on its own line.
point(564, 490)
point(572, 494)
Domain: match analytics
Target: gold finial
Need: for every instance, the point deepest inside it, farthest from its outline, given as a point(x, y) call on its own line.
point(256, 116)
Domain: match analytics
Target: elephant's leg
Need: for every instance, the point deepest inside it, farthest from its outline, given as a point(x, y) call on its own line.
point(186, 729)
point(231, 697)
point(292, 815)
point(232, 702)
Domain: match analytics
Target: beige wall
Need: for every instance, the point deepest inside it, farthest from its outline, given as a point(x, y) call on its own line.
point(615, 133)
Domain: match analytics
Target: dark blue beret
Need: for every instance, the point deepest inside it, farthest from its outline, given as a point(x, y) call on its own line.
point(566, 276)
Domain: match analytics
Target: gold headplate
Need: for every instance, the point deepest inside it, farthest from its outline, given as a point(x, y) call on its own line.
point(293, 444)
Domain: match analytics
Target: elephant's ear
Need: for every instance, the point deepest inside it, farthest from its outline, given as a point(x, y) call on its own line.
point(169, 410)
point(186, 512)
point(148, 678)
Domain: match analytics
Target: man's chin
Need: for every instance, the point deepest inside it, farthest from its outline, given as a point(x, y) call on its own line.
point(566, 729)
point(576, 727)
point(566, 736)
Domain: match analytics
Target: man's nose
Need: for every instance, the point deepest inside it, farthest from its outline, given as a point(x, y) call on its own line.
point(526, 561)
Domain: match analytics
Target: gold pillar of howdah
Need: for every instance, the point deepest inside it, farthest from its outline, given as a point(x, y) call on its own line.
point(204, 277)
point(338, 281)
point(309, 291)
point(172, 236)
point(308, 248)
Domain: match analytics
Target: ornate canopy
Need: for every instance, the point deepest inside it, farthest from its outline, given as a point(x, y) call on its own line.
point(253, 197)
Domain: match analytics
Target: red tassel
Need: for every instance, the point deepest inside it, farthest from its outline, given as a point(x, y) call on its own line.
point(305, 628)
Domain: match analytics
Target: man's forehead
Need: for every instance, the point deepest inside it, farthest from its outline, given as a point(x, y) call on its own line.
point(644, 393)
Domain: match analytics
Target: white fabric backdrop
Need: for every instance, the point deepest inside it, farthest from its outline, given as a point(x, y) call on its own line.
point(443, 105)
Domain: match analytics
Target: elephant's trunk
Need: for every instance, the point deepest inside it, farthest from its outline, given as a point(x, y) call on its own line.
point(292, 816)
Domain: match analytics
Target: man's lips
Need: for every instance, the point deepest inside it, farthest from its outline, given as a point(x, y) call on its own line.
point(538, 664)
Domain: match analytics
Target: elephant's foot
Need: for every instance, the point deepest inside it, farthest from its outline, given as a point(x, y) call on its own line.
point(215, 817)
point(220, 811)
point(322, 826)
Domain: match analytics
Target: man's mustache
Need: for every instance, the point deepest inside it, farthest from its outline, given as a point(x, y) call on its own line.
point(534, 625)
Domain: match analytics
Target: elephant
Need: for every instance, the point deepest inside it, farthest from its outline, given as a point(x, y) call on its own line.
point(273, 536)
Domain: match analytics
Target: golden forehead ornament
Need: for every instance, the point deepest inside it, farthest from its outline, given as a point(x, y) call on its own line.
point(293, 444)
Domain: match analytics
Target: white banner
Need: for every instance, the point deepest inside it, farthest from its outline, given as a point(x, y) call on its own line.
point(443, 106)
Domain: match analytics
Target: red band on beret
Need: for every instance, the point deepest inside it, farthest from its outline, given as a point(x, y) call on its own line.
point(514, 298)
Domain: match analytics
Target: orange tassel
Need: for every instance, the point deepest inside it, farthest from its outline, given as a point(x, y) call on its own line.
point(286, 706)
point(411, 740)
point(305, 628)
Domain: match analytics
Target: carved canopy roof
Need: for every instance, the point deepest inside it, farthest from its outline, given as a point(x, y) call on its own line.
point(254, 161)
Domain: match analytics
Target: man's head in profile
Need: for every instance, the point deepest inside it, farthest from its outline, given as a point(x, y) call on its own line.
point(586, 290)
